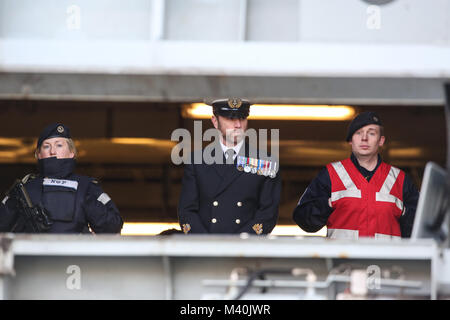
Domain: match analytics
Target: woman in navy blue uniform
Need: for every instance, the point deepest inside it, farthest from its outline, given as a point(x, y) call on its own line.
point(74, 203)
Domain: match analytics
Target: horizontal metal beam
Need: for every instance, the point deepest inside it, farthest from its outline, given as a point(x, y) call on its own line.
point(184, 71)
point(176, 267)
point(221, 246)
point(194, 88)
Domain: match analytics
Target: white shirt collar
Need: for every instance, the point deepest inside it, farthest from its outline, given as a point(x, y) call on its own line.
point(236, 148)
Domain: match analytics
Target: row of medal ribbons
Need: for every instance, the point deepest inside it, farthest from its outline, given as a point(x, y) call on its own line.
point(258, 166)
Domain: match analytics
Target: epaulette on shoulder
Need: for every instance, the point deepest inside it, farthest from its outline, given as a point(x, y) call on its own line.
point(95, 181)
point(28, 177)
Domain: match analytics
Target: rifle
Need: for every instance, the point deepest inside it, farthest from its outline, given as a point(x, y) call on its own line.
point(33, 216)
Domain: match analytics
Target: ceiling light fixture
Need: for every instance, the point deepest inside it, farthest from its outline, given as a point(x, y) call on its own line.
point(279, 112)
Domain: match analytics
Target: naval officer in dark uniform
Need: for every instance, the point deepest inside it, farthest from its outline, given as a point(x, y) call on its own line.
point(73, 203)
point(239, 194)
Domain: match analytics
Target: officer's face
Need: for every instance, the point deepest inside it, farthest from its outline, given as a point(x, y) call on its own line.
point(55, 147)
point(367, 140)
point(232, 130)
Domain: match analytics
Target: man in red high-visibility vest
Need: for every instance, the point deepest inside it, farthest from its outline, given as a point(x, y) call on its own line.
point(361, 196)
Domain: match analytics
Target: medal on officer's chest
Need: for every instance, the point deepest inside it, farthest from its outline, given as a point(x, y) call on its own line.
point(268, 168)
point(247, 167)
point(240, 163)
point(273, 173)
point(264, 167)
point(257, 166)
point(254, 165)
point(260, 166)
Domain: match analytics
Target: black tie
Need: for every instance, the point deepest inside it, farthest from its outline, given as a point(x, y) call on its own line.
point(229, 156)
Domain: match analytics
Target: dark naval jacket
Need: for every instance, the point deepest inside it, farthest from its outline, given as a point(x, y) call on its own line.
point(222, 198)
point(73, 202)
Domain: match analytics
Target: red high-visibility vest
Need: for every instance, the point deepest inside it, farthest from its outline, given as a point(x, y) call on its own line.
point(362, 208)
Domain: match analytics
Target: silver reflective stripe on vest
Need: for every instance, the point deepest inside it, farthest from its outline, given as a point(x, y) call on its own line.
point(5, 199)
point(384, 193)
point(342, 234)
point(390, 180)
point(104, 198)
point(61, 183)
point(342, 173)
point(389, 198)
point(352, 193)
point(351, 190)
point(386, 236)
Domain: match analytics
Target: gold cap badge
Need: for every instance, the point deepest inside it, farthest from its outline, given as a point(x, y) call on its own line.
point(235, 103)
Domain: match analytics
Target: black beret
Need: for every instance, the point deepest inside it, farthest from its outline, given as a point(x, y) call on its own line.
point(361, 120)
point(233, 108)
point(52, 131)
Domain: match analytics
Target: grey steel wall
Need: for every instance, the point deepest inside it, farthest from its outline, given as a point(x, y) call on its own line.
point(400, 22)
point(276, 51)
point(189, 267)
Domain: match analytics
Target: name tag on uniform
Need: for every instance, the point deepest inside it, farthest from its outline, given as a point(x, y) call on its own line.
point(61, 183)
